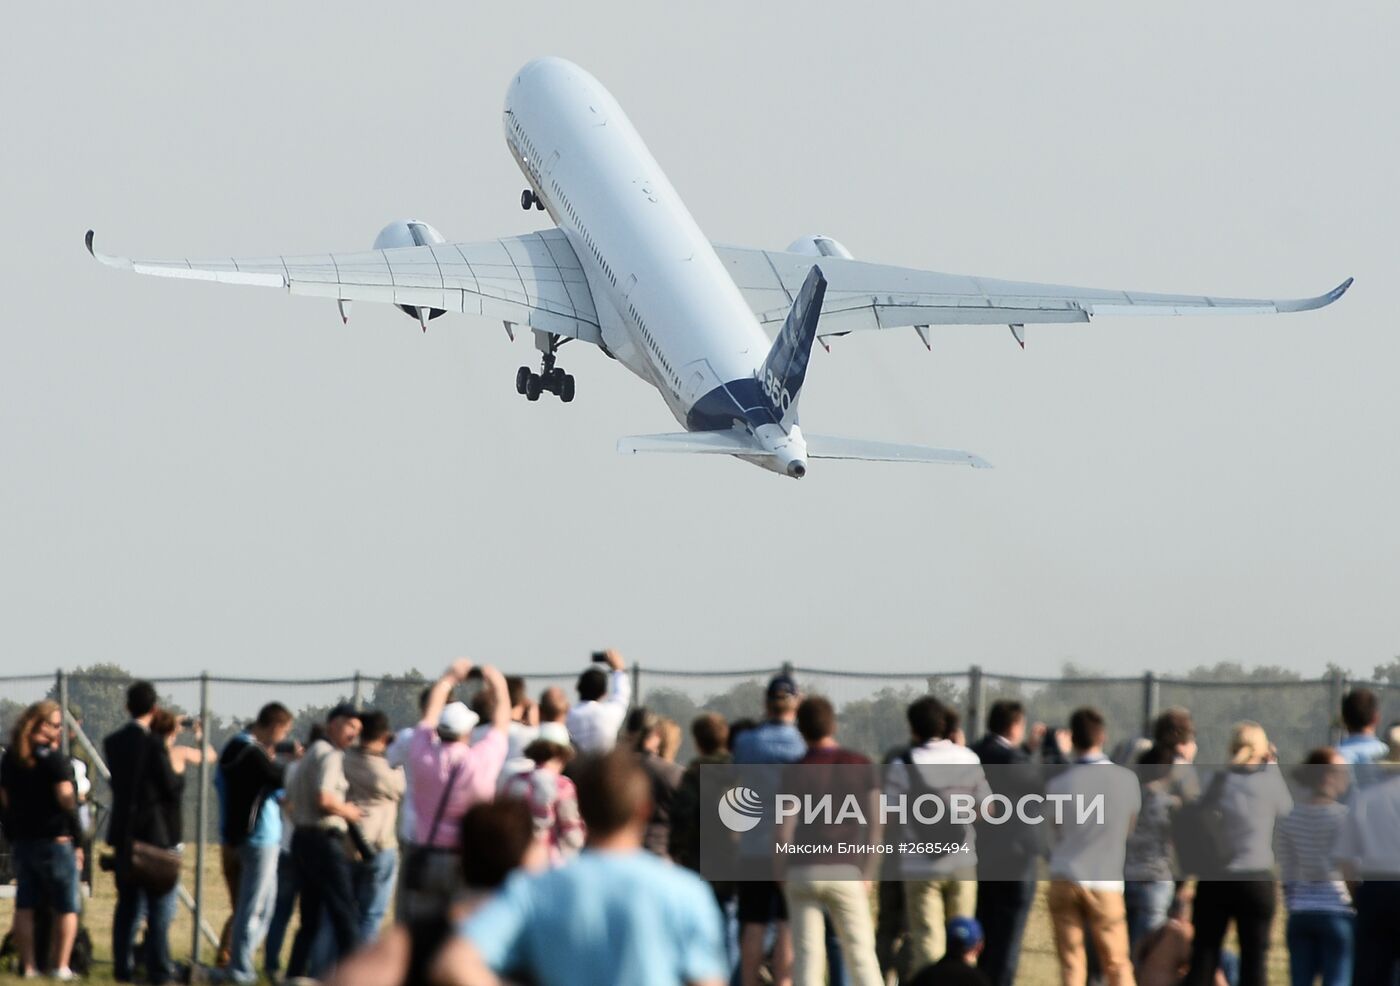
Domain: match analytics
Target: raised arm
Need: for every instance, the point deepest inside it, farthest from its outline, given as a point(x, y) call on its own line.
point(620, 687)
point(500, 717)
point(455, 674)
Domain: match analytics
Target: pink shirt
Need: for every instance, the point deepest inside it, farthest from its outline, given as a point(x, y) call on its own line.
point(431, 761)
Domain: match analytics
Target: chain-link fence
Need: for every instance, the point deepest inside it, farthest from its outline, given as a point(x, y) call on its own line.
point(1297, 713)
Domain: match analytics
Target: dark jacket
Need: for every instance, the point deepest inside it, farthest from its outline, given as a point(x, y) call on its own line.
point(144, 806)
point(1014, 774)
point(684, 842)
point(249, 777)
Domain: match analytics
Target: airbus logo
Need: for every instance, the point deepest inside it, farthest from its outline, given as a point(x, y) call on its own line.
point(740, 809)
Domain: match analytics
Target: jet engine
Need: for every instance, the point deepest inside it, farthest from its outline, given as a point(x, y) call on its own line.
point(818, 245)
point(408, 233)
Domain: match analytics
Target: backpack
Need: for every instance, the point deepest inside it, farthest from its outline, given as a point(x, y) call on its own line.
point(1198, 832)
point(943, 830)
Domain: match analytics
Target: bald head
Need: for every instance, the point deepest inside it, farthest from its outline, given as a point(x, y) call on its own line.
point(554, 705)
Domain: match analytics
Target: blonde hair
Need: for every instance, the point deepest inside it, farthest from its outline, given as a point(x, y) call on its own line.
point(22, 738)
point(1248, 743)
point(670, 739)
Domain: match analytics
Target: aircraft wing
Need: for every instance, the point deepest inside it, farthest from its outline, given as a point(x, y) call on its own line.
point(533, 280)
point(862, 296)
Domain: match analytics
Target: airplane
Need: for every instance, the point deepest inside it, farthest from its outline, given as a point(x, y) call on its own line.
point(627, 269)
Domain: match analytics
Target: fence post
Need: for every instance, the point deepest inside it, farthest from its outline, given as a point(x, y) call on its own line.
point(63, 705)
point(1151, 698)
point(357, 697)
point(636, 683)
point(786, 668)
point(976, 699)
point(201, 811)
point(1336, 693)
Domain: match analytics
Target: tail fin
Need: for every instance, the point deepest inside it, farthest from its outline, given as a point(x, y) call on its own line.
point(785, 369)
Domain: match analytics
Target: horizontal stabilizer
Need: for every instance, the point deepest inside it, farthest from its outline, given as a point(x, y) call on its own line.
point(695, 442)
point(827, 447)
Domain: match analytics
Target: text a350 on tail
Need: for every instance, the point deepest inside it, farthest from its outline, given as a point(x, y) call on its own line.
point(628, 270)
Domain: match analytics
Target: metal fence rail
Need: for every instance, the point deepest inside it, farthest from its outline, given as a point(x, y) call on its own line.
point(1297, 713)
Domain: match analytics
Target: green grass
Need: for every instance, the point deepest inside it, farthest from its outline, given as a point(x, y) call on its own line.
point(1038, 964)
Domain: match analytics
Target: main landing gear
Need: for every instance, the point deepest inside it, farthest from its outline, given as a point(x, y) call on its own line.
point(551, 378)
point(529, 198)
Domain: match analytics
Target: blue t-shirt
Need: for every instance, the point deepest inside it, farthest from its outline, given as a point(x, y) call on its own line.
point(770, 742)
point(267, 830)
point(624, 918)
point(1359, 748)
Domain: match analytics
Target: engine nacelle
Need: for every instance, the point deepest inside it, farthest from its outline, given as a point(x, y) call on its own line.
point(818, 245)
point(409, 233)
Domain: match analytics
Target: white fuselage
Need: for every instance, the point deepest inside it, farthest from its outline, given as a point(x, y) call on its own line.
point(667, 308)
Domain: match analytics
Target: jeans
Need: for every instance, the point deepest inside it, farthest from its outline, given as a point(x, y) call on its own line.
point(374, 885)
point(257, 899)
point(1320, 943)
point(1250, 903)
point(133, 903)
point(1148, 902)
point(286, 901)
point(323, 869)
point(1002, 909)
point(46, 874)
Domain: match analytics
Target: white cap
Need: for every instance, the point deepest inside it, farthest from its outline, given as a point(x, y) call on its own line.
point(457, 720)
point(555, 732)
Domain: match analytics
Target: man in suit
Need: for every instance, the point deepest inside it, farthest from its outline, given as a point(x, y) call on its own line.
point(1007, 751)
point(141, 779)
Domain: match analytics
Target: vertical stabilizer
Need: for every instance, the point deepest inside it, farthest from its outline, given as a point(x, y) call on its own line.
point(783, 372)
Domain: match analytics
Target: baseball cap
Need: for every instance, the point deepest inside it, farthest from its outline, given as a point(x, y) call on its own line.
point(781, 686)
point(964, 934)
point(343, 711)
point(555, 732)
point(457, 720)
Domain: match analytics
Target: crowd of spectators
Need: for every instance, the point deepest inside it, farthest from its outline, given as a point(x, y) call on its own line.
point(549, 842)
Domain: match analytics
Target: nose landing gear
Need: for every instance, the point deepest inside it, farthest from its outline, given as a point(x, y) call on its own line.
point(529, 198)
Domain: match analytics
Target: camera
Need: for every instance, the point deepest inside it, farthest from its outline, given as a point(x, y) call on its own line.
point(187, 722)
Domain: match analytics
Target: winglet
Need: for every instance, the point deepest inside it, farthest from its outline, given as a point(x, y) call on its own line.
point(121, 263)
point(1321, 301)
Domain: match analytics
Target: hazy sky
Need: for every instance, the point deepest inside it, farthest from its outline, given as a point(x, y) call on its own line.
point(206, 476)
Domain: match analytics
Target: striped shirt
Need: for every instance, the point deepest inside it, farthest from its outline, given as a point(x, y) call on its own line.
point(1311, 880)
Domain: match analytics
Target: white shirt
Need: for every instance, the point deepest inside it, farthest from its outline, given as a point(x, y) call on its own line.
point(1091, 848)
point(1370, 839)
point(397, 755)
point(593, 726)
point(970, 779)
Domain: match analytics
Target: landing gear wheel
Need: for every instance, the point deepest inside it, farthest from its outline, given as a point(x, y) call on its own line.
point(527, 199)
point(522, 379)
point(532, 387)
point(539, 203)
point(566, 388)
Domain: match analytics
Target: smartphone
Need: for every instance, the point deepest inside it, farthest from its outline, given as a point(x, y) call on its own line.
point(600, 656)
